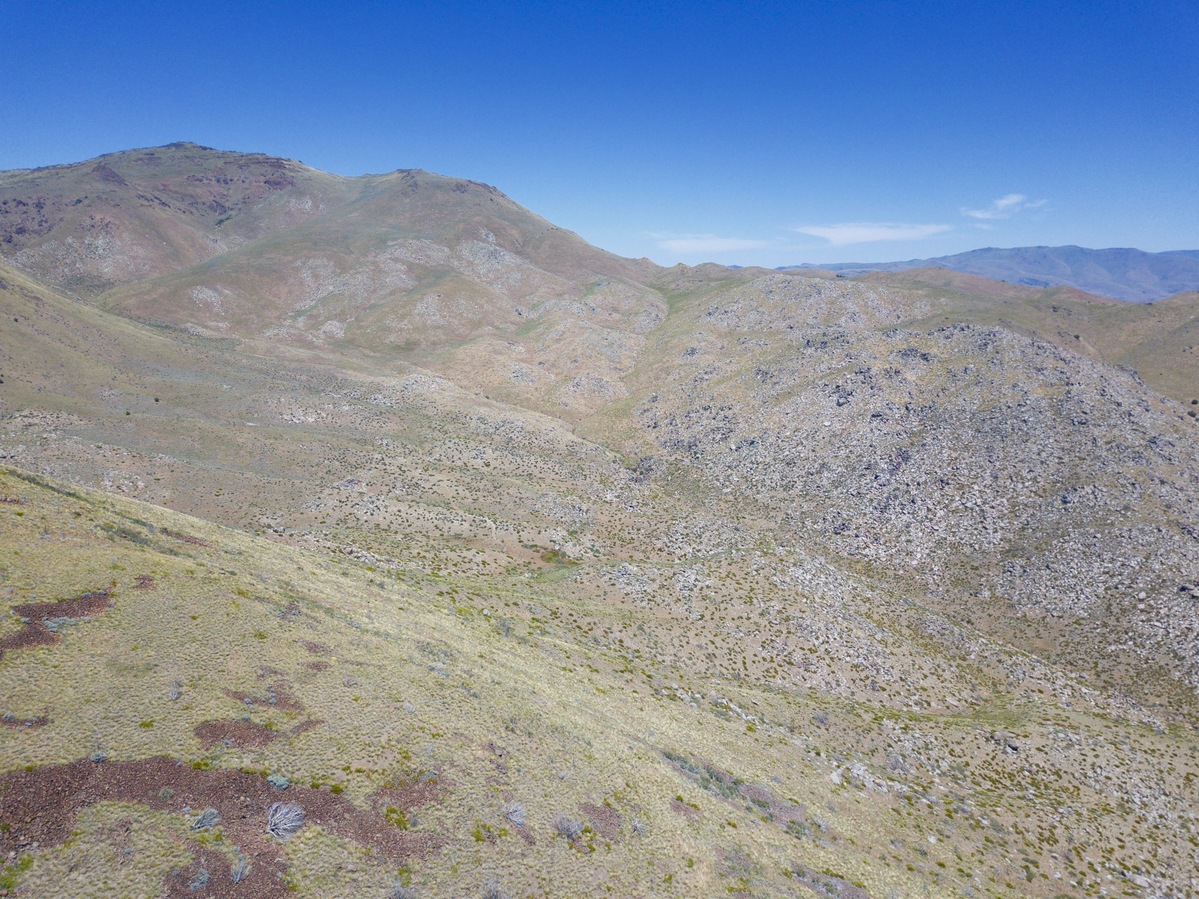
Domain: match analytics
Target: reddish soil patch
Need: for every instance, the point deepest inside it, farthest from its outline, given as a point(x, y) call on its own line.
point(604, 820)
point(13, 501)
point(107, 174)
point(40, 806)
point(236, 734)
point(243, 734)
point(691, 814)
point(318, 666)
point(732, 790)
point(828, 886)
point(781, 811)
point(144, 582)
point(410, 795)
point(36, 633)
point(317, 649)
point(304, 726)
point(279, 692)
point(217, 876)
point(11, 720)
point(187, 538)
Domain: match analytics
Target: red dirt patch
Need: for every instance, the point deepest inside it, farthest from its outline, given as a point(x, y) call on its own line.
point(317, 649)
point(604, 820)
point(235, 734)
point(11, 720)
point(187, 538)
point(36, 633)
point(305, 726)
point(243, 734)
point(691, 814)
point(828, 886)
point(409, 795)
point(13, 501)
point(318, 666)
point(40, 806)
point(781, 811)
point(144, 582)
point(277, 695)
point(179, 884)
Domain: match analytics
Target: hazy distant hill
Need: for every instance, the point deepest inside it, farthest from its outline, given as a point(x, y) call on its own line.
point(1122, 274)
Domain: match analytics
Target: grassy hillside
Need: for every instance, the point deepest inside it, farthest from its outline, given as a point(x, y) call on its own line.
point(442, 739)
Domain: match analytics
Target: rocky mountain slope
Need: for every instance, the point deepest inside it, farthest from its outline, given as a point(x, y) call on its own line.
point(603, 578)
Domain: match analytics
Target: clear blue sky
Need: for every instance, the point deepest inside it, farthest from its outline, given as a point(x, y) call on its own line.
point(753, 133)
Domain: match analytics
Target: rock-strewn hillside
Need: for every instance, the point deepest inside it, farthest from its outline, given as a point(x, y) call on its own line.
point(1020, 486)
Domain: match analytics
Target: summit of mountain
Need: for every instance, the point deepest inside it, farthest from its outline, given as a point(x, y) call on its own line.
point(406, 265)
point(140, 214)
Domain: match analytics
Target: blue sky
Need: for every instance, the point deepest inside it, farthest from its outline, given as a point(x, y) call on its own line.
point(751, 133)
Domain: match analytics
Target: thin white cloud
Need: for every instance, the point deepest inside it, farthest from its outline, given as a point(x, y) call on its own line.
point(688, 244)
point(1004, 208)
point(871, 232)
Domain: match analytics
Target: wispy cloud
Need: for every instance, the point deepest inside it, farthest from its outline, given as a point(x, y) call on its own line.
point(871, 232)
point(688, 244)
point(1003, 208)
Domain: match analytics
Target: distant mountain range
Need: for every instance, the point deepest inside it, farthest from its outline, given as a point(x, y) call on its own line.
point(1122, 274)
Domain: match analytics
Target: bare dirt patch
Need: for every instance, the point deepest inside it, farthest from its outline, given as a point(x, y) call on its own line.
point(604, 820)
point(40, 806)
point(37, 630)
point(210, 874)
point(11, 720)
point(234, 734)
point(277, 695)
point(410, 795)
point(828, 886)
point(186, 538)
point(689, 812)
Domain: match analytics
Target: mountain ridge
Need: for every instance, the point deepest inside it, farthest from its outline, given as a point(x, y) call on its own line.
point(1119, 273)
